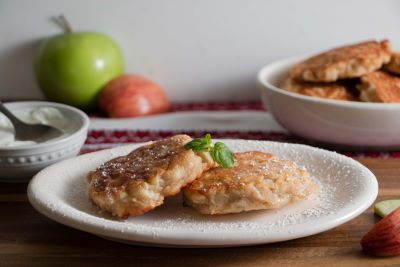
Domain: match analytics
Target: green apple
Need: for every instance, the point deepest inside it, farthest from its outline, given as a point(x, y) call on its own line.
point(73, 67)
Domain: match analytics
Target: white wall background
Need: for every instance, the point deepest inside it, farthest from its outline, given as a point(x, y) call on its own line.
point(197, 50)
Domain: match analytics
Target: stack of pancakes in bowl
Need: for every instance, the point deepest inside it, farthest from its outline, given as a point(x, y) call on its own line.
point(367, 71)
point(348, 96)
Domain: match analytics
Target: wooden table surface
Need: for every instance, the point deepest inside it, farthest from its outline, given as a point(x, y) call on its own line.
point(27, 238)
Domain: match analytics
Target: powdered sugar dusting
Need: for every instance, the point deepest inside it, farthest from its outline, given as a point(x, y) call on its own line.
point(346, 188)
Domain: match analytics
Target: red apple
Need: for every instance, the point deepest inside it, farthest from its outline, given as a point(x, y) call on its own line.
point(384, 238)
point(132, 95)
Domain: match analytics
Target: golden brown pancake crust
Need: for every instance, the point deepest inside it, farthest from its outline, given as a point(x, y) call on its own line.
point(380, 86)
point(344, 62)
point(333, 90)
point(394, 65)
point(138, 182)
point(257, 181)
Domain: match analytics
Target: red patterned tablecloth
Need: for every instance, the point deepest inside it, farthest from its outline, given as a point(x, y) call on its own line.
point(99, 139)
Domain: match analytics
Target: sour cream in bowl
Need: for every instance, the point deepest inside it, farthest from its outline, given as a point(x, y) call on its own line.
point(20, 160)
point(40, 115)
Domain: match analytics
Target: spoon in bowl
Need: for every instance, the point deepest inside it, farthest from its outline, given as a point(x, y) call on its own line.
point(32, 132)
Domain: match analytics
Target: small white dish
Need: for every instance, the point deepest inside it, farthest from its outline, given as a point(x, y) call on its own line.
point(347, 189)
point(20, 163)
point(347, 123)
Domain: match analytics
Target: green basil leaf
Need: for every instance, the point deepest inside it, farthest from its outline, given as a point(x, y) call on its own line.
point(207, 139)
point(199, 144)
point(222, 155)
point(220, 152)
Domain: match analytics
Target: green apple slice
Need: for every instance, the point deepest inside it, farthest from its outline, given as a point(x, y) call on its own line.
point(385, 207)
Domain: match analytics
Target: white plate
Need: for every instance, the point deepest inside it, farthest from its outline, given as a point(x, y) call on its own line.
point(348, 188)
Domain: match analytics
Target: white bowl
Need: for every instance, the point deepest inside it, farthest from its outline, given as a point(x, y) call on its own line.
point(18, 164)
point(346, 123)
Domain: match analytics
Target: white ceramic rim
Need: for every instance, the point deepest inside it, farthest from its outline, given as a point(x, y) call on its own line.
point(67, 139)
point(263, 79)
point(96, 225)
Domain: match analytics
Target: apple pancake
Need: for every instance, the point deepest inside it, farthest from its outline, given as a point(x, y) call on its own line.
point(138, 182)
point(344, 62)
point(334, 90)
point(394, 65)
point(256, 181)
point(380, 86)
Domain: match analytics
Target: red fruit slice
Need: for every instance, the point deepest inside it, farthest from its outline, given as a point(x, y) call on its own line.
point(384, 238)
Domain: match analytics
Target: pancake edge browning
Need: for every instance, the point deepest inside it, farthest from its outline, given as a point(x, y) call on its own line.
point(334, 90)
point(344, 62)
point(380, 86)
point(140, 180)
point(257, 181)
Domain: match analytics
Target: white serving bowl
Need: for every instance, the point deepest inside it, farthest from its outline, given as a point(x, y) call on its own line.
point(346, 123)
point(19, 164)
